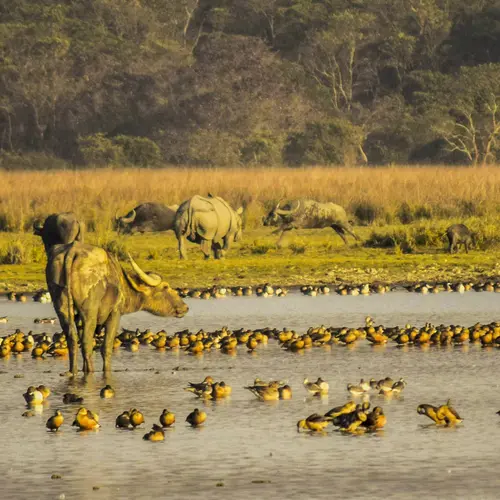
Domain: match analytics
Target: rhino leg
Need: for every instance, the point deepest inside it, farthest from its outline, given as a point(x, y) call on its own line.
point(111, 325)
point(182, 246)
point(206, 247)
point(217, 250)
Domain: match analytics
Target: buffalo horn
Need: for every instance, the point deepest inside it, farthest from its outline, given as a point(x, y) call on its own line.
point(129, 220)
point(286, 212)
point(149, 279)
point(37, 226)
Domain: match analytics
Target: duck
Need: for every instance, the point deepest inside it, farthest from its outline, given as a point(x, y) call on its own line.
point(365, 385)
point(4, 319)
point(155, 434)
point(398, 386)
point(196, 418)
point(123, 420)
point(314, 422)
point(318, 388)
point(33, 396)
point(218, 391)
point(70, 398)
point(356, 390)
point(266, 392)
point(54, 422)
point(285, 392)
point(375, 419)
point(86, 420)
point(431, 412)
point(136, 418)
point(200, 387)
point(385, 385)
point(448, 414)
point(44, 390)
point(167, 418)
point(350, 422)
point(107, 392)
point(345, 409)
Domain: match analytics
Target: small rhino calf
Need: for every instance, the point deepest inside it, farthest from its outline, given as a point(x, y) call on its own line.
point(460, 234)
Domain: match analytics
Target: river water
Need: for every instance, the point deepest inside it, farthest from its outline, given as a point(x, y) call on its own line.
point(249, 448)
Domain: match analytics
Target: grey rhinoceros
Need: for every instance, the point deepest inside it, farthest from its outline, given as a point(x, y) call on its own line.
point(210, 222)
point(460, 234)
point(147, 218)
point(309, 214)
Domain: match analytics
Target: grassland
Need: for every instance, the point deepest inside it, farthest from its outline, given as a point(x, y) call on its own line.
point(401, 210)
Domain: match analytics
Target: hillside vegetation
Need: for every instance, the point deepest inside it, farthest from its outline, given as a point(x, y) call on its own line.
point(250, 82)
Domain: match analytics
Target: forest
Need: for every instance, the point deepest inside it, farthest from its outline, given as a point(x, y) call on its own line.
point(249, 82)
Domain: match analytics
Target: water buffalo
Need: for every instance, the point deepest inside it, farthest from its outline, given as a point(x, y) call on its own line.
point(87, 283)
point(460, 234)
point(309, 214)
point(147, 218)
point(59, 229)
point(211, 222)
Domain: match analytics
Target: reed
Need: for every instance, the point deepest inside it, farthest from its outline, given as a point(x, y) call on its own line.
point(384, 194)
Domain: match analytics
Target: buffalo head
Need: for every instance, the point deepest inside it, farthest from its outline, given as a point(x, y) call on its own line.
point(154, 295)
point(276, 215)
point(57, 229)
point(123, 224)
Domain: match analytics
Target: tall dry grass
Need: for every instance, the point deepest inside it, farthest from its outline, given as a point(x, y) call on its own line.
point(96, 194)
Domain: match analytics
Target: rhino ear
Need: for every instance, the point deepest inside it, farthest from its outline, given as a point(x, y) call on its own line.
point(239, 211)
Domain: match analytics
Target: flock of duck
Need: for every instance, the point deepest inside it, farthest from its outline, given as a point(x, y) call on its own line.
point(351, 417)
point(268, 290)
point(229, 341)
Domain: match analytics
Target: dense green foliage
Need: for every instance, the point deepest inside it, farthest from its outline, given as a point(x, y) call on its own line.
point(226, 82)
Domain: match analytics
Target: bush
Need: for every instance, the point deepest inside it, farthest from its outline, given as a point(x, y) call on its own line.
point(210, 147)
point(21, 252)
point(99, 150)
point(30, 161)
point(262, 149)
point(334, 142)
point(260, 247)
point(366, 212)
point(297, 248)
point(139, 151)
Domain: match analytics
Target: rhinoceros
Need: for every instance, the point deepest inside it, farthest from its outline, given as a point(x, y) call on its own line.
point(59, 229)
point(460, 234)
point(147, 218)
point(210, 222)
point(87, 282)
point(309, 214)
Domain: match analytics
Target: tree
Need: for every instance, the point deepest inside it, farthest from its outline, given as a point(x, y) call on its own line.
point(464, 110)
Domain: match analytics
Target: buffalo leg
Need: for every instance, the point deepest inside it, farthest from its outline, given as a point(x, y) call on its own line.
point(466, 244)
point(206, 248)
point(283, 231)
point(70, 332)
point(111, 326)
point(340, 231)
point(87, 340)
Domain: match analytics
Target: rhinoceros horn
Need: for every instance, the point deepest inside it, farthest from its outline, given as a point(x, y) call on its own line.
point(149, 279)
point(286, 212)
point(127, 220)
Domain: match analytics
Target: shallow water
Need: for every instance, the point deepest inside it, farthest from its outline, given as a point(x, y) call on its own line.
point(251, 447)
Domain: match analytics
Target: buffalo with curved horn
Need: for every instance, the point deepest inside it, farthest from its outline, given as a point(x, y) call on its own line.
point(309, 214)
point(147, 218)
point(89, 284)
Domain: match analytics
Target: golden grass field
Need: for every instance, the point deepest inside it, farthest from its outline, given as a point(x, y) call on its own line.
point(427, 199)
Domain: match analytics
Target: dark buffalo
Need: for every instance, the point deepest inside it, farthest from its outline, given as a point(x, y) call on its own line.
point(147, 218)
point(59, 229)
point(309, 214)
point(210, 222)
point(460, 234)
